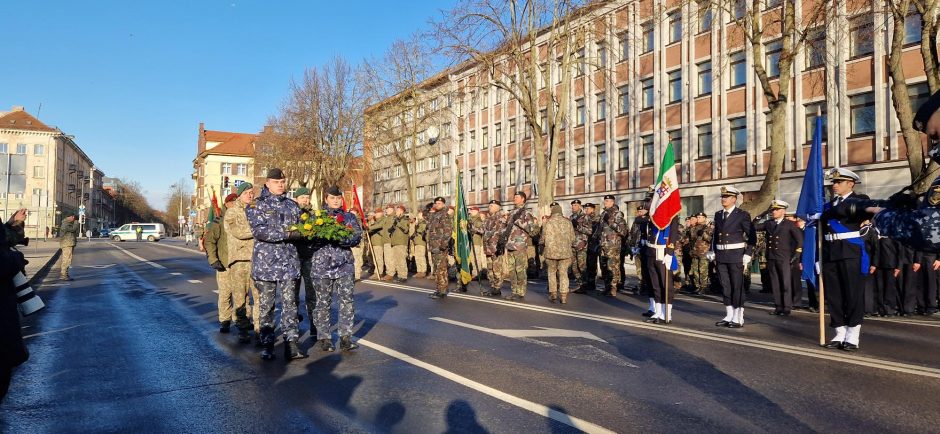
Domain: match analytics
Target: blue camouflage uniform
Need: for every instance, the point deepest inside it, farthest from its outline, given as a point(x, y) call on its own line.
point(333, 266)
point(275, 262)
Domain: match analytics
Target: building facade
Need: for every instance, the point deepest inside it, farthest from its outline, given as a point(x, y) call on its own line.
point(223, 161)
point(661, 72)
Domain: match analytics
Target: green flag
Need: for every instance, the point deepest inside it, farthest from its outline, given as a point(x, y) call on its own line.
point(461, 238)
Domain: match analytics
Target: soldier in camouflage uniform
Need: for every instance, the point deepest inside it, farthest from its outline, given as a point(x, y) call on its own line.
point(332, 264)
point(582, 230)
point(275, 264)
point(516, 238)
point(396, 253)
point(217, 253)
point(557, 238)
point(492, 228)
point(378, 232)
point(357, 249)
point(613, 230)
point(440, 232)
point(700, 240)
point(419, 239)
point(240, 245)
point(477, 256)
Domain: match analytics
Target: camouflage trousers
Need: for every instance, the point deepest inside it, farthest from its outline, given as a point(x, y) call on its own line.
point(439, 264)
point(420, 254)
point(558, 275)
point(496, 273)
point(289, 324)
point(389, 254)
point(232, 298)
point(477, 260)
point(379, 252)
point(698, 273)
point(579, 264)
point(238, 279)
point(325, 288)
point(357, 261)
point(517, 263)
point(66, 260)
point(611, 268)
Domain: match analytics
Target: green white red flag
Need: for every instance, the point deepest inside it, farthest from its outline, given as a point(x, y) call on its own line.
point(666, 203)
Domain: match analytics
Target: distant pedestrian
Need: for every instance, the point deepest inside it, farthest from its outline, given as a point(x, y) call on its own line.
point(68, 236)
point(88, 234)
point(140, 232)
point(188, 230)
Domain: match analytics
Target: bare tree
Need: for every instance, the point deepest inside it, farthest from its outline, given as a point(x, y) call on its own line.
point(179, 199)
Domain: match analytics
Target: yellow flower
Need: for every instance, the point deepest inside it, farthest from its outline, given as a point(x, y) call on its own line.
point(293, 227)
point(308, 226)
point(317, 213)
point(319, 222)
point(304, 216)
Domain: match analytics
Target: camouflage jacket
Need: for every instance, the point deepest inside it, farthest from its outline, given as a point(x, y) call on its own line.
point(217, 243)
point(240, 243)
point(557, 237)
point(334, 259)
point(420, 233)
point(682, 241)
point(583, 227)
point(379, 230)
point(700, 240)
point(399, 227)
point(68, 233)
point(613, 229)
point(274, 258)
point(492, 229)
point(639, 231)
point(475, 227)
point(523, 229)
point(440, 232)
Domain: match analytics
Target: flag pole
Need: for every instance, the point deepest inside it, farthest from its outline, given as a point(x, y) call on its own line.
point(821, 299)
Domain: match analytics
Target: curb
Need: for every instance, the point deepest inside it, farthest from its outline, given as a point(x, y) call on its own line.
point(40, 275)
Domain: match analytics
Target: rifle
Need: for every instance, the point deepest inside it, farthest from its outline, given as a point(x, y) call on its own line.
point(504, 238)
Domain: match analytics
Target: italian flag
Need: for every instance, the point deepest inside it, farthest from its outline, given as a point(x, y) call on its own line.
point(665, 203)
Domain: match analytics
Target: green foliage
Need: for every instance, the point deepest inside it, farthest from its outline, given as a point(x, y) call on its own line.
point(322, 226)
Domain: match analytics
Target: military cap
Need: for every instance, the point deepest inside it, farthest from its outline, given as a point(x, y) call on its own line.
point(379, 209)
point(302, 191)
point(840, 174)
point(589, 205)
point(925, 111)
point(242, 187)
point(333, 191)
point(522, 194)
point(390, 206)
point(473, 208)
point(779, 204)
point(642, 206)
point(402, 207)
point(609, 196)
point(495, 202)
point(275, 173)
point(230, 197)
point(728, 191)
point(576, 201)
point(439, 199)
point(701, 214)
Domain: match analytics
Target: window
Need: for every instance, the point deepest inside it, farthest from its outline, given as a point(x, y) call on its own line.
point(242, 169)
point(647, 147)
point(675, 26)
point(446, 188)
point(623, 100)
point(580, 111)
point(740, 8)
point(499, 176)
point(582, 62)
point(912, 27)
point(460, 144)
point(445, 131)
point(526, 171)
point(601, 55)
point(3, 148)
point(918, 94)
point(473, 180)
point(498, 134)
point(386, 196)
point(647, 93)
point(772, 55)
point(39, 149)
point(543, 69)
point(498, 95)
point(647, 37)
point(560, 170)
point(445, 160)
point(675, 137)
point(600, 158)
point(579, 162)
point(528, 129)
point(486, 97)
point(433, 190)
point(738, 134)
point(768, 127)
point(39, 171)
point(512, 173)
point(705, 140)
point(37, 192)
point(704, 16)
point(558, 65)
point(862, 113)
point(543, 119)
point(226, 168)
point(474, 100)
point(675, 86)
point(398, 171)
point(420, 192)
point(472, 144)
point(815, 47)
point(486, 138)
point(705, 78)
point(738, 72)
point(624, 46)
point(811, 120)
point(422, 165)
point(773, 3)
point(20, 148)
point(861, 35)
point(484, 173)
point(512, 131)
point(623, 154)
point(601, 107)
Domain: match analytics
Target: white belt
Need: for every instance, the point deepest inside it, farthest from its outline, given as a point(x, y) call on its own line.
point(734, 246)
point(643, 243)
point(843, 236)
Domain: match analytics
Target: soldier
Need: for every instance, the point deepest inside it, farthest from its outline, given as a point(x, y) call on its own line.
point(557, 237)
point(700, 238)
point(886, 267)
point(613, 229)
point(440, 230)
point(493, 227)
point(357, 249)
point(638, 233)
point(217, 254)
point(68, 237)
point(844, 262)
point(333, 265)
point(378, 231)
point(305, 252)
point(275, 264)
point(784, 245)
point(589, 278)
point(582, 230)
point(659, 256)
point(478, 257)
point(397, 253)
point(419, 239)
point(927, 284)
point(515, 239)
point(732, 245)
point(796, 272)
point(240, 245)
point(199, 232)
point(686, 249)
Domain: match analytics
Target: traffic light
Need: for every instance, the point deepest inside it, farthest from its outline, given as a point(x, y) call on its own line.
point(224, 182)
point(81, 218)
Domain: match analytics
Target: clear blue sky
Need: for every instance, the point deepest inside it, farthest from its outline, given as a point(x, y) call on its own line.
point(132, 80)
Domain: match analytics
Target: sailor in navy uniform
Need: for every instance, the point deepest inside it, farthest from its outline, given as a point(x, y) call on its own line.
point(784, 242)
point(845, 262)
point(732, 246)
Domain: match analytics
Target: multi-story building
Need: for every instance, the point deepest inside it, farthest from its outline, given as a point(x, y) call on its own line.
point(222, 158)
point(45, 171)
point(677, 75)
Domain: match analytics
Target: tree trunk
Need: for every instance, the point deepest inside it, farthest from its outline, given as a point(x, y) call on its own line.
point(778, 153)
point(902, 105)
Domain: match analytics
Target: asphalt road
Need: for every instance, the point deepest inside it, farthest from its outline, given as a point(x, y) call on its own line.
point(132, 345)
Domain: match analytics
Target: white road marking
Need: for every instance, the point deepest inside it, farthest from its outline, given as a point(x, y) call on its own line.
point(176, 274)
point(150, 263)
point(542, 332)
point(525, 404)
point(51, 331)
point(215, 291)
point(98, 266)
point(835, 356)
point(194, 281)
point(180, 248)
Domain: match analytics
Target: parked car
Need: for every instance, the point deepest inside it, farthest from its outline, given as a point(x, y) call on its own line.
point(104, 233)
point(151, 232)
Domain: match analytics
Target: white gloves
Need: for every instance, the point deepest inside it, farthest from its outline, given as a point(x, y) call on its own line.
point(667, 260)
point(747, 260)
point(710, 256)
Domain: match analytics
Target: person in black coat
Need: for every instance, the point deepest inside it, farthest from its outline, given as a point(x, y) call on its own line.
point(784, 244)
point(13, 350)
point(732, 246)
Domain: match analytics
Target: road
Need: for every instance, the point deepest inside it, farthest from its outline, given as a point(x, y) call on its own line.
point(133, 345)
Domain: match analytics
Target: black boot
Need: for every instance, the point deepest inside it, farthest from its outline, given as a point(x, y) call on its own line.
point(243, 336)
point(326, 345)
point(292, 351)
point(225, 327)
point(346, 343)
point(267, 353)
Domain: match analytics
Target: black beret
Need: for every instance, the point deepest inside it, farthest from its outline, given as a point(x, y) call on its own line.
point(495, 202)
point(554, 204)
point(522, 194)
point(333, 191)
point(439, 199)
point(925, 111)
point(589, 205)
point(576, 201)
point(275, 173)
point(609, 196)
point(642, 206)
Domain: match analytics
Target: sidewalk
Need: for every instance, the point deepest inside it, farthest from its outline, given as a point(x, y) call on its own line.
point(41, 256)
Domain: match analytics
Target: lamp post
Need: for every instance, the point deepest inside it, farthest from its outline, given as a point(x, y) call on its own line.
point(433, 134)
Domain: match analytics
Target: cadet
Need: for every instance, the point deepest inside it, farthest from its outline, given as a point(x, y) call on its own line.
point(68, 237)
point(440, 230)
point(659, 255)
point(396, 253)
point(589, 278)
point(557, 237)
point(638, 233)
point(304, 253)
point(582, 230)
point(275, 264)
point(333, 265)
point(378, 231)
point(927, 288)
point(515, 240)
point(784, 242)
point(419, 239)
point(478, 257)
point(700, 239)
point(844, 262)
point(732, 245)
point(493, 228)
point(217, 254)
point(613, 229)
point(240, 245)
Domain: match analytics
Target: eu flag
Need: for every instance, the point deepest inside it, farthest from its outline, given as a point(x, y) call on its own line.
point(810, 206)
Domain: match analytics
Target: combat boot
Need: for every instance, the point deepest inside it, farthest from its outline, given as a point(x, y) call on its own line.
point(346, 343)
point(243, 337)
point(564, 298)
point(225, 327)
point(267, 353)
point(292, 351)
point(326, 345)
point(552, 297)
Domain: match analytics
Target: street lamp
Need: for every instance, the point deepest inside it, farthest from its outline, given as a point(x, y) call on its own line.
point(433, 133)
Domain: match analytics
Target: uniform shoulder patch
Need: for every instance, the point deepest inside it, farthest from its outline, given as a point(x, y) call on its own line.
point(933, 195)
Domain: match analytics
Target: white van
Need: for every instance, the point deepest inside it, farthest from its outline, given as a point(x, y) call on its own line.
point(151, 232)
